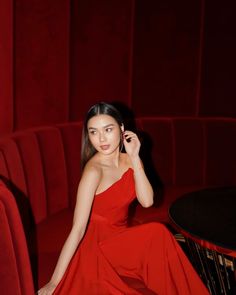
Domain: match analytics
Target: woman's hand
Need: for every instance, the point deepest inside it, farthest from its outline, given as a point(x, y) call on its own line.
point(48, 289)
point(131, 143)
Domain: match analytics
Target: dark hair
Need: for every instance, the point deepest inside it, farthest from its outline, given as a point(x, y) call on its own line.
point(101, 108)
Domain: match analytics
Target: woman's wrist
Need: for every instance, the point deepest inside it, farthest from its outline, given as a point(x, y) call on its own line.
point(136, 162)
point(52, 283)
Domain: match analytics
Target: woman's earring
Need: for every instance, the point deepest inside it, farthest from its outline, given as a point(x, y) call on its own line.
point(121, 140)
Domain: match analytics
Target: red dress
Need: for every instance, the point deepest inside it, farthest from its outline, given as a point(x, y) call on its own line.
point(111, 251)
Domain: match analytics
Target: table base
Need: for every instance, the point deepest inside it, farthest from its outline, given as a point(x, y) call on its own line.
point(217, 270)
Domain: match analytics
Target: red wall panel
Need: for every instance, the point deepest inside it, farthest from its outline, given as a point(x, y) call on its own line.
point(41, 62)
point(6, 66)
point(219, 60)
point(166, 57)
point(101, 36)
point(161, 58)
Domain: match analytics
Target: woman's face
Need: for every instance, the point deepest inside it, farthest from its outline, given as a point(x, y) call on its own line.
point(104, 133)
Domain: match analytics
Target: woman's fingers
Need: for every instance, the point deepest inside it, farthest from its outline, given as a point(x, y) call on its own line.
point(131, 143)
point(44, 292)
point(129, 135)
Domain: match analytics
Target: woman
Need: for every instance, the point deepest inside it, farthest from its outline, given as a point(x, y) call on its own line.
point(101, 250)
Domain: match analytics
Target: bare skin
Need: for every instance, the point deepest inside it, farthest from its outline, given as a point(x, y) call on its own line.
point(101, 171)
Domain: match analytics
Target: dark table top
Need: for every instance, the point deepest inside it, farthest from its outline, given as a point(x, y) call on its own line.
point(208, 215)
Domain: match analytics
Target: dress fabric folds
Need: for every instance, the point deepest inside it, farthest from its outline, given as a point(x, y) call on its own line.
point(111, 251)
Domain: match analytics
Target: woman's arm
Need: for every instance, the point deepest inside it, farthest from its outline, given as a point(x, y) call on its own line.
point(143, 187)
point(85, 194)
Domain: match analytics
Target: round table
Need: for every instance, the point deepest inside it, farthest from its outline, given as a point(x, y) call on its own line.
point(207, 219)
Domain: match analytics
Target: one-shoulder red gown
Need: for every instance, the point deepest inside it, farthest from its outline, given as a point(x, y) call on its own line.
point(111, 251)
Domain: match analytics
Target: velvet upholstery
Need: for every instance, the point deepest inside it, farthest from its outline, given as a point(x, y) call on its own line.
point(189, 148)
point(218, 59)
point(160, 58)
point(42, 168)
point(41, 62)
point(166, 57)
point(15, 270)
point(6, 68)
point(101, 48)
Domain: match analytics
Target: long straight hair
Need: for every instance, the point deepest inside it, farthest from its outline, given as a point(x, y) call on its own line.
point(101, 108)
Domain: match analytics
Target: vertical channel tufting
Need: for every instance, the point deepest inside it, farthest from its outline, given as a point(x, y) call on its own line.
point(13, 164)
point(9, 280)
point(17, 277)
point(173, 145)
point(204, 169)
point(71, 139)
point(159, 132)
point(4, 174)
point(189, 151)
point(33, 171)
point(54, 169)
point(220, 152)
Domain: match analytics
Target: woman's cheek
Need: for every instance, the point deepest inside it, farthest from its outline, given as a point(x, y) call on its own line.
point(92, 141)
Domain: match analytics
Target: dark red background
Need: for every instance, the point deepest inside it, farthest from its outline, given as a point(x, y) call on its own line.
point(172, 62)
point(161, 58)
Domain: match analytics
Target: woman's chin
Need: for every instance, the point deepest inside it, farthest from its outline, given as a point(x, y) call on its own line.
point(109, 151)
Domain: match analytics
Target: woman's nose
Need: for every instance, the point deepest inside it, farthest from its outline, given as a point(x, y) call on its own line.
point(102, 137)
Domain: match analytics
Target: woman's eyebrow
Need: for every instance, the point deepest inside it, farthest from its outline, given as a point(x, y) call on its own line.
point(106, 126)
point(109, 125)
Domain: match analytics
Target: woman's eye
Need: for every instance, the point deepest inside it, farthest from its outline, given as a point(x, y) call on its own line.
point(93, 132)
point(108, 129)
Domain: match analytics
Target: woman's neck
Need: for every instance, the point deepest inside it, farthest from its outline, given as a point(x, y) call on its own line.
point(112, 160)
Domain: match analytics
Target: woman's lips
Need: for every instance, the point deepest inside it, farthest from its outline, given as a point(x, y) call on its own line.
point(105, 147)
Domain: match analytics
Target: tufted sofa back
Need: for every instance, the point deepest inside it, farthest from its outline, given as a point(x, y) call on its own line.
point(44, 163)
point(15, 272)
point(193, 151)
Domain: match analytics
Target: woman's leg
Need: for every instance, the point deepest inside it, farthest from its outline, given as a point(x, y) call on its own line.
point(150, 252)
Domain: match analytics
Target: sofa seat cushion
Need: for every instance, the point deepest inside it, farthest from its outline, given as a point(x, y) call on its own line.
point(50, 237)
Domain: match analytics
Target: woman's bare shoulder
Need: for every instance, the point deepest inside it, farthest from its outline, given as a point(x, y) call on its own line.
point(92, 169)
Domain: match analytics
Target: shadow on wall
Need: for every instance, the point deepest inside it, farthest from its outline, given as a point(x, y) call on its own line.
point(28, 222)
point(145, 153)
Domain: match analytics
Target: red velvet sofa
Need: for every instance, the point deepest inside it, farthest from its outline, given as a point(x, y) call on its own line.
point(41, 168)
point(15, 271)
